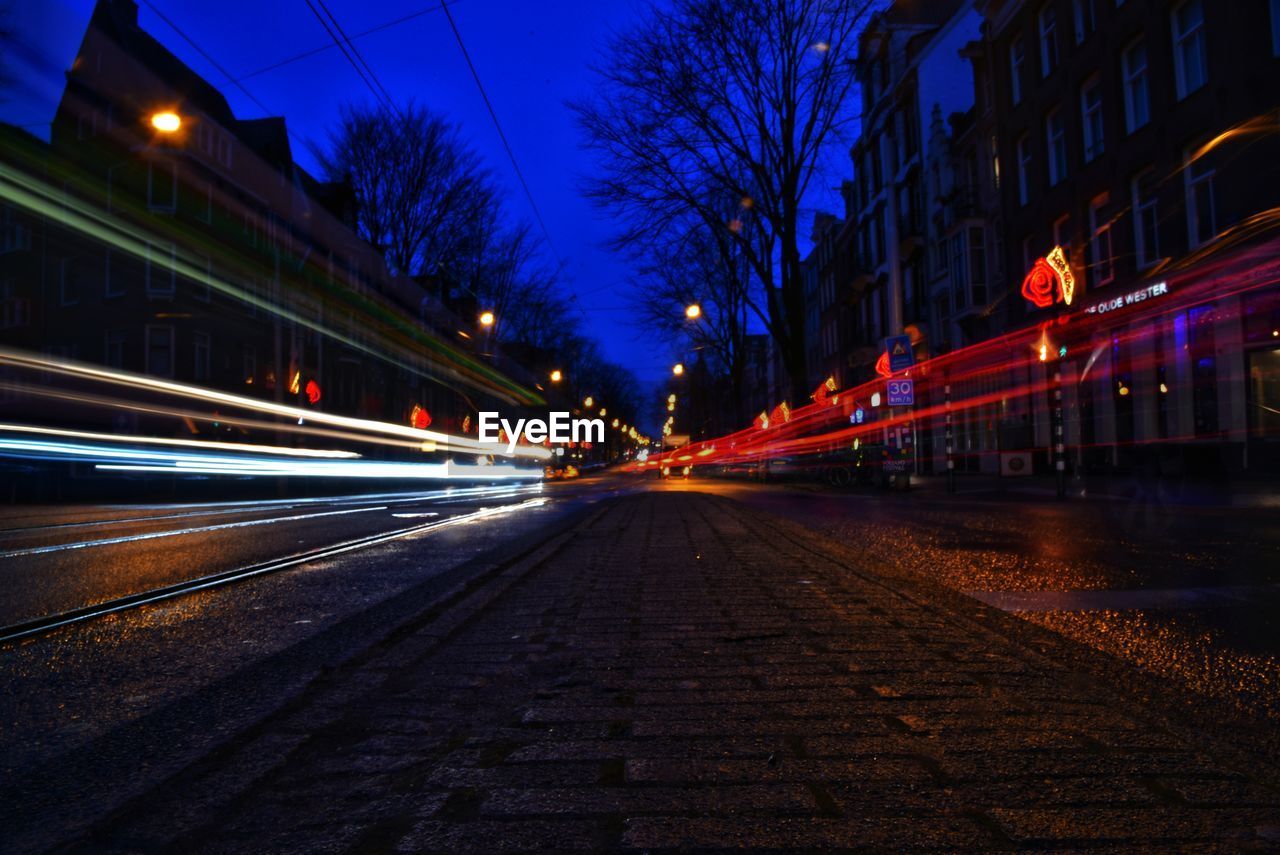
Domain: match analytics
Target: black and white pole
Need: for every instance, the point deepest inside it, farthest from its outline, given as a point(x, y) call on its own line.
point(950, 437)
point(1059, 436)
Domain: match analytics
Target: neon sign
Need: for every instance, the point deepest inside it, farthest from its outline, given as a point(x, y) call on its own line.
point(1050, 280)
point(1159, 289)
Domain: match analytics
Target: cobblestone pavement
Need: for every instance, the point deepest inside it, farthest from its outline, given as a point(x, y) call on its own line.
point(681, 672)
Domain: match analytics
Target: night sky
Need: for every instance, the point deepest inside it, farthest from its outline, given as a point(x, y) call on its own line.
point(531, 57)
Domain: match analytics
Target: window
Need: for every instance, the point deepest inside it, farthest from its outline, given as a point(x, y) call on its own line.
point(113, 349)
point(978, 264)
point(1275, 27)
point(200, 351)
point(959, 270)
point(203, 289)
point(1017, 59)
point(1137, 105)
point(1146, 230)
point(1024, 170)
point(1091, 116)
point(995, 165)
point(1086, 23)
point(1056, 140)
point(204, 202)
point(1101, 268)
point(115, 275)
point(1190, 65)
point(1062, 232)
point(14, 234)
point(159, 273)
point(1048, 39)
point(1201, 226)
point(162, 187)
point(159, 351)
point(249, 362)
point(68, 282)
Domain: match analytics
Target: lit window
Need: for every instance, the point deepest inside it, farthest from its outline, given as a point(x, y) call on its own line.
point(159, 273)
point(1056, 141)
point(1103, 271)
point(1048, 19)
point(1146, 228)
point(1024, 170)
point(1086, 23)
point(1201, 225)
point(159, 351)
point(1137, 104)
point(1190, 65)
point(1017, 59)
point(1091, 116)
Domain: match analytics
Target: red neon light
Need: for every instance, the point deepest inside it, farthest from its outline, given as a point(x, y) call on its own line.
point(313, 392)
point(882, 365)
point(1044, 283)
point(419, 417)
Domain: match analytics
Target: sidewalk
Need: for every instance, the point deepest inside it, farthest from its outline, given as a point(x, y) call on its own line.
point(679, 672)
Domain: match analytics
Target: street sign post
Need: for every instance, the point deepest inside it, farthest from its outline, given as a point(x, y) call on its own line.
point(901, 356)
point(902, 393)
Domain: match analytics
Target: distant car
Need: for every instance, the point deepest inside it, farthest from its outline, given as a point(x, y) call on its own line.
point(560, 473)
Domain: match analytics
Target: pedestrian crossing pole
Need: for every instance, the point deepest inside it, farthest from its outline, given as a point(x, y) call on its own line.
point(1059, 436)
point(950, 437)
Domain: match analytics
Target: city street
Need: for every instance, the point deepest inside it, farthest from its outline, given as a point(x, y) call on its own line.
point(105, 710)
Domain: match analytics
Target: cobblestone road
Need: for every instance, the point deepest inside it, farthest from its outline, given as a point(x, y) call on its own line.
point(681, 672)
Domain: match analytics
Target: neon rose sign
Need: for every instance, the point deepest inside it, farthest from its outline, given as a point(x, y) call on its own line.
point(1050, 280)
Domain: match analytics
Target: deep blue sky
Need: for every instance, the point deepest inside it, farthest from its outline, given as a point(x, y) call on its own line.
point(531, 57)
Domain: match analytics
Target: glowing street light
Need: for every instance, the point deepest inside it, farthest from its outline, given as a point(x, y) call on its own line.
point(677, 369)
point(603, 412)
point(486, 319)
point(589, 402)
point(166, 121)
point(693, 311)
point(556, 376)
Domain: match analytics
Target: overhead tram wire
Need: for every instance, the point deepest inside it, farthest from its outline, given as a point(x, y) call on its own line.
point(314, 51)
point(537, 213)
point(353, 57)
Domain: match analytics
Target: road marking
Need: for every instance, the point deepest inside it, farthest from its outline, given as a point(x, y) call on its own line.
point(152, 535)
point(1119, 600)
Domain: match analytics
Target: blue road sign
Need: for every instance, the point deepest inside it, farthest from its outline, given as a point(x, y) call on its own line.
point(902, 393)
point(901, 356)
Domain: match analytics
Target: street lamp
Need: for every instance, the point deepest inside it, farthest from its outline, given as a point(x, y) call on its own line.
point(693, 311)
point(677, 369)
point(166, 121)
point(589, 402)
point(486, 319)
point(556, 375)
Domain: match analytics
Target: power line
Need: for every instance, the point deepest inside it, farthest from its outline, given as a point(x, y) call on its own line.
point(502, 135)
point(352, 56)
point(208, 58)
point(310, 53)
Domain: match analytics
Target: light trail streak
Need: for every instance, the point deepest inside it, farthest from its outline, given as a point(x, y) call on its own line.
point(121, 378)
point(178, 532)
point(185, 443)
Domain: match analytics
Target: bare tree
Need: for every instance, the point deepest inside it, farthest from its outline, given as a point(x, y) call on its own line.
point(422, 196)
point(708, 99)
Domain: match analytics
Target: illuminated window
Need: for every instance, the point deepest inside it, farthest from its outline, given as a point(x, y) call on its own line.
point(1024, 169)
point(159, 274)
point(1017, 59)
point(113, 349)
point(1190, 64)
point(162, 187)
point(1100, 242)
point(159, 351)
point(200, 351)
point(1201, 225)
point(1146, 227)
point(1091, 117)
point(1048, 20)
point(1085, 20)
point(1056, 142)
point(1137, 102)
